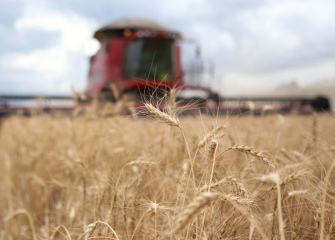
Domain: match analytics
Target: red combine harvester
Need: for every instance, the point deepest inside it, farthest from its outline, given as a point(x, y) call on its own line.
point(138, 57)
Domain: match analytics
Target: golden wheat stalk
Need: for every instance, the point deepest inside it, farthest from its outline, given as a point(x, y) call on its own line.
point(257, 154)
point(295, 193)
point(195, 207)
point(213, 185)
point(323, 201)
point(140, 163)
point(209, 136)
point(171, 102)
point(246, 213)
point(291, 177)
point(296, 175)
point(57, 230)
point(182, 182)
point(240, 187)
point(172, 121)
point(29, 217)
point(139, 222)
point(89, 229)
point(242, 201)
point(162, 116)
point(133, 163)
point(275, 178)
point(202, 201)
point(211, 152)
point(315, 128)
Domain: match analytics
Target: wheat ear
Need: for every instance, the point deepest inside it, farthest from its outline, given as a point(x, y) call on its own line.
point(211, 159)
point(237, 205)
point(257, 154)
point(290, 178)
point(295, 193)
point(182, 183)
point(162, 116)
point(295, 176)
point(209, 136)
point(89, 229)
point(213, 185)
point(205, 199)
point(240, 187)
point(195, 207)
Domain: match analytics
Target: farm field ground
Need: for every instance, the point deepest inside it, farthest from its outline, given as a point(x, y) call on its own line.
point(199, 177)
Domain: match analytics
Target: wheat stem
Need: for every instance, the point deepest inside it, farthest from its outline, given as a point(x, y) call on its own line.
point(323, 202)
point(29, 217)
point(133, 163)
point(57, 229)
point(139, 222)
point(212, 151)
point(280, 213)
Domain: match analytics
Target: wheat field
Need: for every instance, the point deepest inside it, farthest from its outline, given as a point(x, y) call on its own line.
point(166, 176)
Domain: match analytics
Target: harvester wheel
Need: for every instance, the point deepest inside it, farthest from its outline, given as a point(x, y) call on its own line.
point(214, 97)
point(321, 104)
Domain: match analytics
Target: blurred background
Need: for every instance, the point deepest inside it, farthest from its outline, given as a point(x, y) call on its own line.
point(45, 45)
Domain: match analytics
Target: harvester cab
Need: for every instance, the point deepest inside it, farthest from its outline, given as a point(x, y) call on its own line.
point(136, 57)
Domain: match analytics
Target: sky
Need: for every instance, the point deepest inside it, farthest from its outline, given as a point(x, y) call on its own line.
point(260, 44)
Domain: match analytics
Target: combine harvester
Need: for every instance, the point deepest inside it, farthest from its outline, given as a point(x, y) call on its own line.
point(140, 59)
